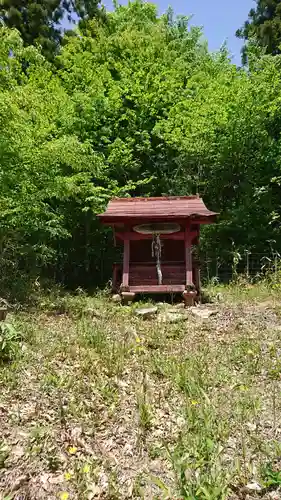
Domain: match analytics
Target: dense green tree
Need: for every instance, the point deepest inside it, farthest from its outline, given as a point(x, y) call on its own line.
point(39, 22)
point(263, 26)
point(155, 102)
point(137, 106)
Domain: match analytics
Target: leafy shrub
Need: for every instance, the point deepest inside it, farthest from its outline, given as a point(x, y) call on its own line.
point(9, 341)
point(272, 476)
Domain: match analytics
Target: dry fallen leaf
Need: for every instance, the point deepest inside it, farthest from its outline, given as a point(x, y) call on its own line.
point(19, 482)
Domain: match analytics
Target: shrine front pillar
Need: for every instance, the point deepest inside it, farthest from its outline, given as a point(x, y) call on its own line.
point(126, 264)
point(190, 293)
point(188, 257)
point(126, 295)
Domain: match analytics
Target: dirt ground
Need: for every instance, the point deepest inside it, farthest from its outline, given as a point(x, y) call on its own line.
point(98, 402)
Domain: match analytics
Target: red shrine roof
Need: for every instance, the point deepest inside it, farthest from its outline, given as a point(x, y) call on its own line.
point(166, 207)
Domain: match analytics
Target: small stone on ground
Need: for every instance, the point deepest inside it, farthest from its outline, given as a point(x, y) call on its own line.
point(253, 487)
point(146, 312)
point(116, 298)
point(203, 313)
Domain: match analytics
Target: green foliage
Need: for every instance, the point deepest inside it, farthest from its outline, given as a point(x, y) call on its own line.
point(39, 22)
point(271, 476)
point(36, 21)
point(4, 453)
point(263, 26)
point(9, 341)
point(50, 178)
point(137, 105)
point(154, 102)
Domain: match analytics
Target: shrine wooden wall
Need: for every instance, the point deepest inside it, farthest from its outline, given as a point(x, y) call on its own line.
point(172, 251)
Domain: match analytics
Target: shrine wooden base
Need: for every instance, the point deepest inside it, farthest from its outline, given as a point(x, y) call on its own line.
point(189, 297)
point(142, 279)
point(127, 297)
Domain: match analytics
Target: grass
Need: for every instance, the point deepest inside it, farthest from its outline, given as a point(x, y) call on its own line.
point(97, 403)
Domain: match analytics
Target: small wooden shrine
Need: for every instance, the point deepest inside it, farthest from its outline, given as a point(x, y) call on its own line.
point(158, 235)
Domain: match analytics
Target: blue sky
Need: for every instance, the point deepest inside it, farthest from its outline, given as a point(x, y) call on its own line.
point(220, 19)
